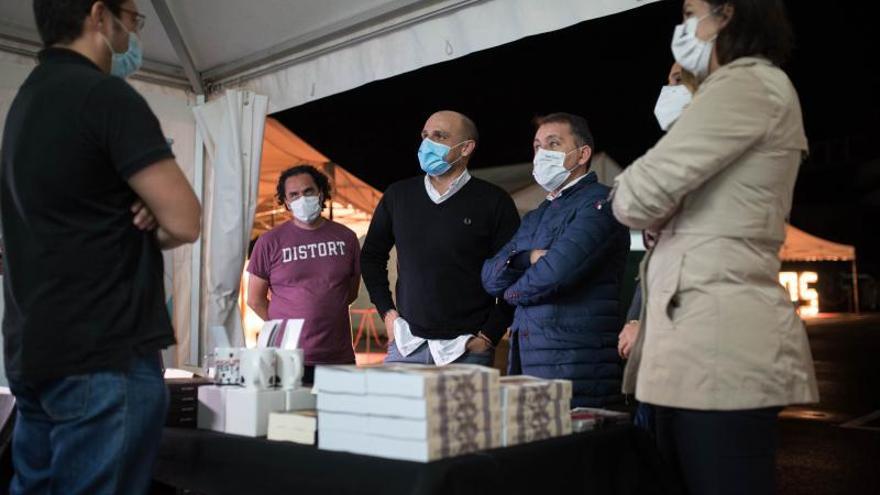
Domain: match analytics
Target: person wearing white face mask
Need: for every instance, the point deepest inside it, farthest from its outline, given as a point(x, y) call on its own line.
point(563, 269)
point(675, 96)
point(721, 350)
point(311, 266)
point(91, 194)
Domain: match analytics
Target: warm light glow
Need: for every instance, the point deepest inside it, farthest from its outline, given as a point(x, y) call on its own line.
point(250, 321)
point(799, 289)
point(789, 280)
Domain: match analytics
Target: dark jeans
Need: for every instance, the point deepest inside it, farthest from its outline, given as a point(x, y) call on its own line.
point(90, 434)
point(720, 452)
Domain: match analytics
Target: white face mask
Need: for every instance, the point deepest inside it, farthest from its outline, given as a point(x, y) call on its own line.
point(692, 53)
point(550, 172)
point(306, 208)
point(670, 104)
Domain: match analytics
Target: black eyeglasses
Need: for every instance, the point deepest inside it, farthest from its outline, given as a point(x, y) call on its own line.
point(139, 19)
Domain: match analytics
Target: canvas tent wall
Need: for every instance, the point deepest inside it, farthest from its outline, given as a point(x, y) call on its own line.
point(291, 53)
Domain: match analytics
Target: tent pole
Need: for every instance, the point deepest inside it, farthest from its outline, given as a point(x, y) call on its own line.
point(180, 49)
point(855, 282)
point(195, 328)
point(330, 168)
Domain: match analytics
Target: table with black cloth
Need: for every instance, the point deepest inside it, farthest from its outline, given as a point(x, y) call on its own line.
point(613, 460)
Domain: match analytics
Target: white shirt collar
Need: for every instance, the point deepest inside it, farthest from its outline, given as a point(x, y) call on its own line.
point(552, 196)
point(456, 186)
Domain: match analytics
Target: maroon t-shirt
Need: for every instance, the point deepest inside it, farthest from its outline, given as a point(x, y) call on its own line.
point(310, 275)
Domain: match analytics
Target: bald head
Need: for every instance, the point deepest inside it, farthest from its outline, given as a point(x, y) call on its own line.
point(458, 126)
point(455, 130)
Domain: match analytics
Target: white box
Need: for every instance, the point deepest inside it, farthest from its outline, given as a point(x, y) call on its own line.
point(333, 421)
point(344, 441)
point(408, 450)
point(341, 378)
point(247, 410)
point(304, 437)
point(299, 398)
point(293, 426)
point(409, 407)
point(212, 408)
point(295, 420)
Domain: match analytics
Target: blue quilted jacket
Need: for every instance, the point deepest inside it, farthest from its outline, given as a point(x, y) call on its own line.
point(568, 312)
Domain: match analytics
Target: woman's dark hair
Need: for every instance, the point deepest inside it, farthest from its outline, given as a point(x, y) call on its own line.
point(61, 21)
point(320, 179)
point(757, 28)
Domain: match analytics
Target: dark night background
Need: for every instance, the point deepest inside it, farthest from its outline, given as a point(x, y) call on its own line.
point(610, 70)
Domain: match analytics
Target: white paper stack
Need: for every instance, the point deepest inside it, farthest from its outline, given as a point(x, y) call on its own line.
point(534, 409)
point(409, 412)
point(294, 426)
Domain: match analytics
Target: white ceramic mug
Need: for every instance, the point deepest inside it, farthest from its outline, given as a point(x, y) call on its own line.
point(290, 363)
point(258, 368)
point(227, 365)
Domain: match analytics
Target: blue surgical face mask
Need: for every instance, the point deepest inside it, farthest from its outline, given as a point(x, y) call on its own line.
point(126, 63)
point(432, 157)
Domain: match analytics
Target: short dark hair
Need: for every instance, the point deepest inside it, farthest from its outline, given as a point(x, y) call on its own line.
point(320, 179)
point(470, 129)
point(757, 28)
point(576, 123)
point(61, 21)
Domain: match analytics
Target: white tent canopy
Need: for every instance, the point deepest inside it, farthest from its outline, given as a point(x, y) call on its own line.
point(292, 53)
point(295, 52)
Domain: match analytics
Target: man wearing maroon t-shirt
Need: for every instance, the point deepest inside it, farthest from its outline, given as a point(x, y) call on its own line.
point(311, 266)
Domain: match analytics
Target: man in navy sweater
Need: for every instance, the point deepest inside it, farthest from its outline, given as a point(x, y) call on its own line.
point(444, 225)
point(563, 268)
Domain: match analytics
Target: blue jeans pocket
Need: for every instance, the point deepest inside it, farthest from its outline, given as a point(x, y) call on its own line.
point(67, 398)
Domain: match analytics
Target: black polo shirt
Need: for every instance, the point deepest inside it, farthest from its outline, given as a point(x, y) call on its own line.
point(83, 287)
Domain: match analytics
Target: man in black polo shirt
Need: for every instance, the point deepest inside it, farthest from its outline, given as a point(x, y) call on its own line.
point(444, 225)
point(90, 193)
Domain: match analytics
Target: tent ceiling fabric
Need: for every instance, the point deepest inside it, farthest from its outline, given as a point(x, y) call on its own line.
point(295, 52)
point(801, 246)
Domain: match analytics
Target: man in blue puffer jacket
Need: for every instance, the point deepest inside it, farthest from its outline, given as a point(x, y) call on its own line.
point(563, 270)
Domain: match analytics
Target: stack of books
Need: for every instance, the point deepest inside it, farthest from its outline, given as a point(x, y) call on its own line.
point(534, 409)
point(294, 426)
point(408, 412)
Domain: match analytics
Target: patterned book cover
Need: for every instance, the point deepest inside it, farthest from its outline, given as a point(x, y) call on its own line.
point(528, 388)
point(420, 380)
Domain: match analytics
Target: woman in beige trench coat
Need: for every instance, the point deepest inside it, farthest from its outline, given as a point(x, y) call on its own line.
point(721, 349)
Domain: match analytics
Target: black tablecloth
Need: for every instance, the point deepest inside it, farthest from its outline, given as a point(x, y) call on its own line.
point(613, 460)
